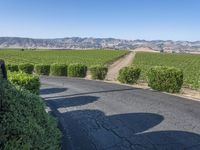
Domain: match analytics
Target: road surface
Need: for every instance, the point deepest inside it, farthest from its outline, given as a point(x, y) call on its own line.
point(103, 116)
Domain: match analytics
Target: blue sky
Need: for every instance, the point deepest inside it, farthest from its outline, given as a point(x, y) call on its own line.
point(126, 19)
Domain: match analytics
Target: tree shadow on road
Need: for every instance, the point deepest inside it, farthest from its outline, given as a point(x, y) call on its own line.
point(45, 91)
point(92, 129)
point(92, 92)
point(56, 103)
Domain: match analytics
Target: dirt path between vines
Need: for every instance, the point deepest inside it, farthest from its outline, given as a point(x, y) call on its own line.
point(114, 68)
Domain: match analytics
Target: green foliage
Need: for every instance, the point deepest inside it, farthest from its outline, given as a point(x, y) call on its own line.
point(77, 70)
point(189, 63)
point(167, 79)
point(24, 124)
point(26, 68)
point(87, 57)
point(98, 72)
point(129, 74)
point(12, 67)
point(25, 81)
point(42, 69)
point(58, 70)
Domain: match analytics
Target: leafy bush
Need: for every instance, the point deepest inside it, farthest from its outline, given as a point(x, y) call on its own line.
point(25, 81)
point(167, 79)
point(77, 70)
point(12, 67)
point(129, 74)
point(24, 124)
point(27, 68)
point(58, 70)
point(98, 72)
point(42, 69)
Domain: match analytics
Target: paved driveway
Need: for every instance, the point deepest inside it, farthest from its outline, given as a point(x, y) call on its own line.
point(103, 116)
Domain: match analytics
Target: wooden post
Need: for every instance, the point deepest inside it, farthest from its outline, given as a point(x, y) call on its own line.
point(4, 73)
point(3, 69)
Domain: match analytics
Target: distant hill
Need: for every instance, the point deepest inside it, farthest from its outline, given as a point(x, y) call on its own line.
point(99, 43)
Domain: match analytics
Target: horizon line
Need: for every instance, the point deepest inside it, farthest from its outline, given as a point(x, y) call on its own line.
point(25, 37)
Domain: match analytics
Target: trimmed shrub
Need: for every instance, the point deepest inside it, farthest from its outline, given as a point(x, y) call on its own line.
point(12, 67)
point(77, 70)
point(98, 72)
point(25, 81)
point(167, 79)
point(58, 70)
point(27, 68)
point(42, 69)
point(24, 123)
point(129, 75)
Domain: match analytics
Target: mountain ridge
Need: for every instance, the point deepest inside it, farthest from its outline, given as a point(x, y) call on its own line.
point(98, 43)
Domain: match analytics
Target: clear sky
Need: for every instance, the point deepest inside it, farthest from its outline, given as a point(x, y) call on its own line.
point(125, 19)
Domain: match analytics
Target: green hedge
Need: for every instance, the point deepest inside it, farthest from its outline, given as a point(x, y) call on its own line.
point(58, 70)
point(24, 124)
point(26, 81)
point(167, 79)
point(42, 69)
point(129, 75)
point(98, 72)
point(12, 67)
point(77, 70)
point(27, 68)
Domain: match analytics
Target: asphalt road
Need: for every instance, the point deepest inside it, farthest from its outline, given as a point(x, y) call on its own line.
point(103, 116)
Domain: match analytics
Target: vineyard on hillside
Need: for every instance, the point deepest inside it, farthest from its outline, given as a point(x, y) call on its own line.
point(190, 64)
point(87, 57)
